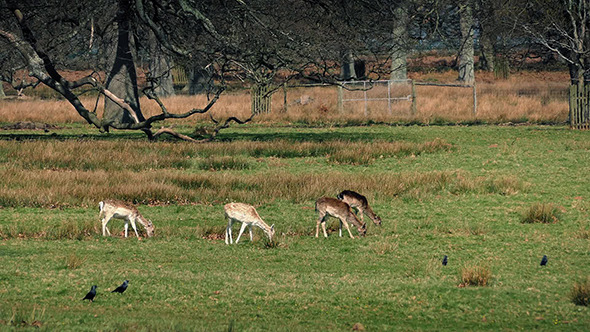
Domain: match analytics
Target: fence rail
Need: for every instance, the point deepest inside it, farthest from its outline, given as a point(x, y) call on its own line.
point(580, 106)
point(368, 85)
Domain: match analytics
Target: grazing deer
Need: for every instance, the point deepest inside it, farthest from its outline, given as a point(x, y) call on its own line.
point(359, 202)
point(326, 206)
point(111, 208)
point(247, 215)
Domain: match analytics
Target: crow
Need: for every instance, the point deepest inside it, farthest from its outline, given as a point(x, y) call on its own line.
point(121, 288)
point(544, 260)
point(90, 296)
point(445, 260)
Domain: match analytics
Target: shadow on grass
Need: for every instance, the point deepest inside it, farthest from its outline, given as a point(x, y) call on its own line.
point(320, 135)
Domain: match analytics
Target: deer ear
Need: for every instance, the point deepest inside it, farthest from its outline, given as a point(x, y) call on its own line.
point(272, 228)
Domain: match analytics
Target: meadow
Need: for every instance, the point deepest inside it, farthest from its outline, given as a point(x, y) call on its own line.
point(461, 191)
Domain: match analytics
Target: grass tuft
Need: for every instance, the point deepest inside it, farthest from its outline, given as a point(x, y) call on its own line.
point(583, 233)
point(74, 261)
point(270, 244)
point(580, 293)
point(475, 276)
point(541, 213)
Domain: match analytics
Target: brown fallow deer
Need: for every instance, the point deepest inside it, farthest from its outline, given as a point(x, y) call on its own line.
point(328, 206)
point(359, 202)
point(247, 215)
point(111, 208)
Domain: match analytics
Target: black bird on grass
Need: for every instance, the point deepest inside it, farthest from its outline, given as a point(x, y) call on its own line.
point(445, 260)
point(90, 296)
point(121, 288)
point(544, 260)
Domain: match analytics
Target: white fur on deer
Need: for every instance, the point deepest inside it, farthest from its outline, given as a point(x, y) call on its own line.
point(328, 206)
point(110, 208)
point(247, 215)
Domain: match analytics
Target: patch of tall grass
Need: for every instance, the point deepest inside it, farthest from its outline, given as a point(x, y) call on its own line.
point(545, 213)
point(118, 155)
point(475, 275)
point(68, 229)
point(74, 261)
point(224, 163)
point(50, 188)
point(580, 293)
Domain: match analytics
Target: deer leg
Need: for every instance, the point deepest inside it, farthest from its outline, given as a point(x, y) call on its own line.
point(347, 228)
point(250, 228)
point(134, 227)
point(321, 218)
point(317, 228)
point(105, 221)
point(228, 232)
point(126, 227)
point(340, 229)
point(361, 213)
point(242, 229)
point(324, 229)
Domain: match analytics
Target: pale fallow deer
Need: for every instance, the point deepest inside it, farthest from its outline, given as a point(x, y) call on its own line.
point(247, 215)
point(359, 202)
point(328, 206)
point(111, 208)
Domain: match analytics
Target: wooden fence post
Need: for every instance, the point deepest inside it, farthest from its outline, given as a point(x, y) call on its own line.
point(285, 105)
point(579, 106)
point(340, 96)
point(414, 106)
point(260, 99)
point(474, 100)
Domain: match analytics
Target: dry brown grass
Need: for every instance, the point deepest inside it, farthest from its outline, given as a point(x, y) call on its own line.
point(475, 276)
point(541, 213)
point(537, 97)
point(57, 188)
point(67, 229)
point(580, 293)
point(136, 156)
point(74, 261)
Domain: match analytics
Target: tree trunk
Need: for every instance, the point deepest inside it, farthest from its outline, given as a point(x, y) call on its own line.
point(487, 51)
point(122, 80)
point(159, 67)
point(399, 64)
point(2, 95)
point(199, 80)
point(466, 73)
point(347, 70)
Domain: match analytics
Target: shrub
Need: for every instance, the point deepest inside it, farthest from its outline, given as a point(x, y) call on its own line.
point(475, 276)
point(541, 213)
point(580, 293)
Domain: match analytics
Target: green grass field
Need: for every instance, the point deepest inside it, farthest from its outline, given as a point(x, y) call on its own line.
point(448, 190)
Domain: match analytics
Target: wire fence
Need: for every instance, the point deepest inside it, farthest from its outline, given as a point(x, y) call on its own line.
point(497, 101)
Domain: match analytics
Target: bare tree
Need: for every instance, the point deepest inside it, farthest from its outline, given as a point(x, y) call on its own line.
point(399, 63)
point(562, 26)
point(227, 35)
point(466, 50)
